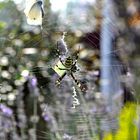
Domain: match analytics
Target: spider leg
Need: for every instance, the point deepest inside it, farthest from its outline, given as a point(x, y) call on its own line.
point(79, 84)
point(77, 55)
point(61, 68)
point(58, 81)
point(62, 61)
point(75, 80)
point(58, 52)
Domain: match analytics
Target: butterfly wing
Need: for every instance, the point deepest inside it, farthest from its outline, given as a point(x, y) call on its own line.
point(35, 13)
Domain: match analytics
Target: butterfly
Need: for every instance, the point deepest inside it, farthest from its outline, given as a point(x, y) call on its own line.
point(34, 12)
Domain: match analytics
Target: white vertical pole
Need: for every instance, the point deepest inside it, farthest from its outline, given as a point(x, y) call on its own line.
point(106, 48)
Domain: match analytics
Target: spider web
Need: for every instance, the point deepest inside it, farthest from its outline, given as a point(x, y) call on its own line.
point(63, 93)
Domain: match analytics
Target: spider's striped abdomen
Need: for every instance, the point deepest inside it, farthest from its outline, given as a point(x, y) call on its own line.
point(69, 62)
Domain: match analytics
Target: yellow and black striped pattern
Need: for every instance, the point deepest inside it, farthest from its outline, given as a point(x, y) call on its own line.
point(68, 63)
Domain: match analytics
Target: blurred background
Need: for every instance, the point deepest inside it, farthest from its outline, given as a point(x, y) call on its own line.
point(33, 108)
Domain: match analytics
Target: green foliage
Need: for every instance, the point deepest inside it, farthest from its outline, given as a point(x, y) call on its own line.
point(2, 25)
point(128, 129)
